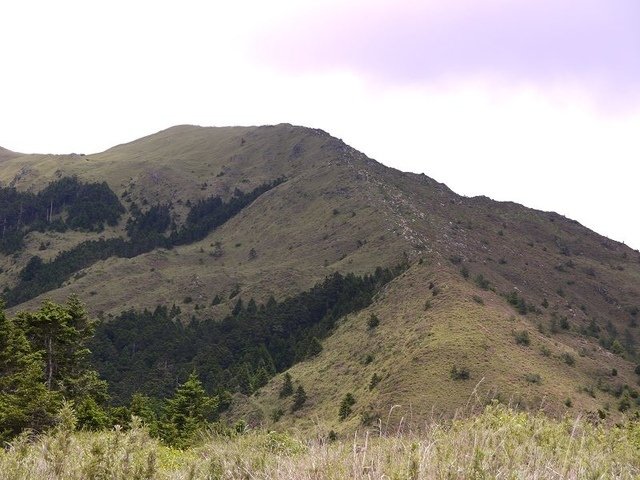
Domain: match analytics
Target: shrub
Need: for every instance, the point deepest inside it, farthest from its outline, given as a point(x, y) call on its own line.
point(373, 321)
point(375, 379)
point(533, 378)
point(522, 338)
point(478, 300)
point(461, 373)
point(624, 404)
point(464, 271)
point(482, 282)
point(277, 414)
point(280, 443)
point(517, 302)
point(455, 259)
point(617, 348)
point(568, 359)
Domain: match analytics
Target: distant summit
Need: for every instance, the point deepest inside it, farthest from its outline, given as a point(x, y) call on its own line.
point(6, 154)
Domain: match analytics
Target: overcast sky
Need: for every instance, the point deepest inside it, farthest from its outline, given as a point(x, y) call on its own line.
point(535, 101)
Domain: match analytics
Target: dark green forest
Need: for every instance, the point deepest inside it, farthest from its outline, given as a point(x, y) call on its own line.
point(147, 231)
point(86, 206)
point(149, 350)
point(175, 377)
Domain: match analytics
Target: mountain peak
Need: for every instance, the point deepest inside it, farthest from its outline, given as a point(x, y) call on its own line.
point(6, 154)
point(536, 306)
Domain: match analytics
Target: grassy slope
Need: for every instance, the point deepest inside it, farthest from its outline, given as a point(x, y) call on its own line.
point(342, 211)
point(414, 349)
point(294, 230)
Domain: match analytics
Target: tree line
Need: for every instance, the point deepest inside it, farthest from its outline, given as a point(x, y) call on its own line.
point(87, 206)
point(176, 378)
point(146, 231)
point(151, 349)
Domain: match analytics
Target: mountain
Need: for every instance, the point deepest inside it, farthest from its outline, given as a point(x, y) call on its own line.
point(7, 154)
point(495, 300)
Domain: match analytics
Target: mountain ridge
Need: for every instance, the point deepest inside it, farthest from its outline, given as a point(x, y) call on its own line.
point(7, 154)
point(499, 269)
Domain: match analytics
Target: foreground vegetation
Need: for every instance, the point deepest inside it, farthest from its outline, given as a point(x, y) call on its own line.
point(45, 362)
point(498, 443)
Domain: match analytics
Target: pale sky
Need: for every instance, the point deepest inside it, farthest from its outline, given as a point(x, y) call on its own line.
point(534, 101)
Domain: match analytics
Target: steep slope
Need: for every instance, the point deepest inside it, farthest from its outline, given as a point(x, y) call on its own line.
point(302, 231)
point(481, 273)
point(7, 154)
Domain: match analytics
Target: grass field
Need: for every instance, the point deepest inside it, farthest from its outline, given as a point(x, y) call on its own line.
point(498, 443)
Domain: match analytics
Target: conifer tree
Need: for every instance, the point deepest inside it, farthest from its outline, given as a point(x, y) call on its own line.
point(142, 408)
point(287, 386)
point(299, 398)
point(252, 308)
point(238, 308)
point(187, 412)
point(59, 333)
point(315, 347)
point(345, 406)
point(25, 402)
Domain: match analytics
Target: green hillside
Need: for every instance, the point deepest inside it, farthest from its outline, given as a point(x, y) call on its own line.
point(496, 301)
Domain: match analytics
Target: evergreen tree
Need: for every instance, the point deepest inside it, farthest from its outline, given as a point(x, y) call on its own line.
point(299, 398)
point(238, 308)
point(252, 308)
point(315, 347)
point(375, 379)
point(142, 408)
point(287, 386)
point(61, 333)
point(261, 377)
point(90, 415)
point(187, 412)
point(345, 406)
point(245, 379)
point(24, 400)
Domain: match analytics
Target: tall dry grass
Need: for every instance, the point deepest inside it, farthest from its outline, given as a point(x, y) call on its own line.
point(498, 443)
